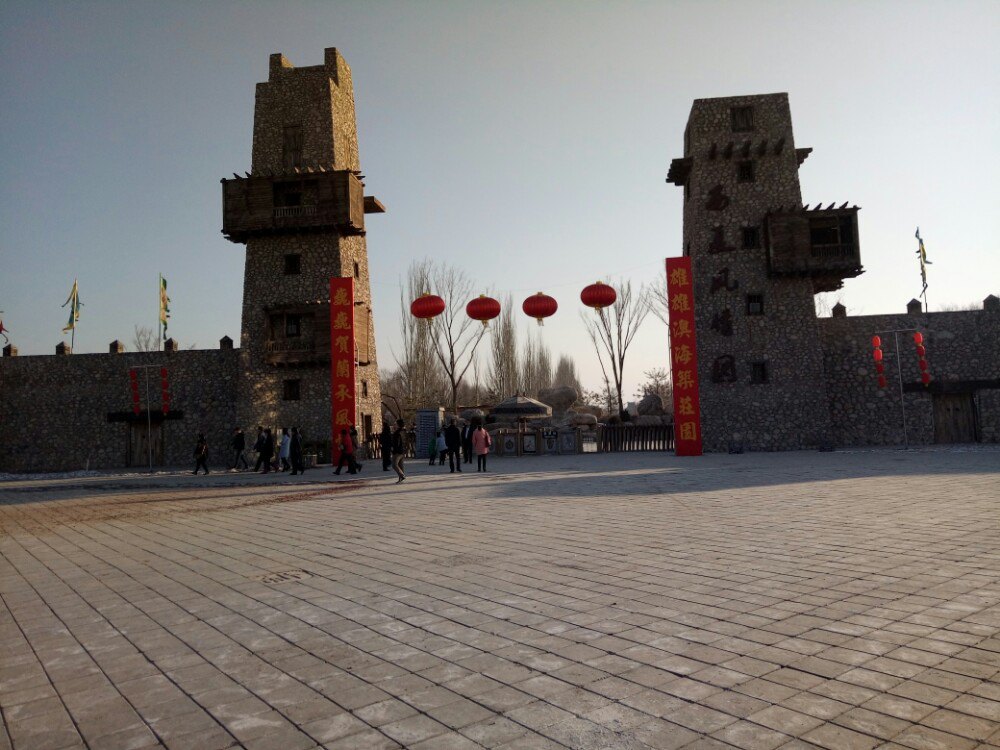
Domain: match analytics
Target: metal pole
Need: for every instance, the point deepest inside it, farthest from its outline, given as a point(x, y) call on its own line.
point(899, 374)
point(149, 422)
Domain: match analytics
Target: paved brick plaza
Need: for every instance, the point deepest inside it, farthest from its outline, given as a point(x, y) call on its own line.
point(845, 600)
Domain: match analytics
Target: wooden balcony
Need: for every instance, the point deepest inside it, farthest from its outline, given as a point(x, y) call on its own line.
point(821, 244)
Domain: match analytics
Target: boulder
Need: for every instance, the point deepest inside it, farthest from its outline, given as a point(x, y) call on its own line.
point(597, 411)
point(584, 420)
point(559, 398)
point(651, 403)
point(473, 415)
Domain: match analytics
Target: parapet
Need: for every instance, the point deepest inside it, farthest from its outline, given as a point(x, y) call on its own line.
point(333, 65)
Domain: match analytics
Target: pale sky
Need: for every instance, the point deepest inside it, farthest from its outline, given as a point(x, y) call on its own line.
point(525, 142)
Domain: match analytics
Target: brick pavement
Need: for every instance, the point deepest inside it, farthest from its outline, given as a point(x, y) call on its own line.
point(841, 601)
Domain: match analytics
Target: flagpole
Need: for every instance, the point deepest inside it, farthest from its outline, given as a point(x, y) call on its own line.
point(159, 310)
point(72, 311)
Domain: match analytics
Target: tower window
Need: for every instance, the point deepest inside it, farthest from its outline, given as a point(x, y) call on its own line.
point(290, 390)
point(364, 389)
point(755, 304)
point(293, 326)
point(744, 171)
point(742, 118)
point(751, 238)
point(357, 270)
point(758, 373)
point(291, 146)
point(293, 264)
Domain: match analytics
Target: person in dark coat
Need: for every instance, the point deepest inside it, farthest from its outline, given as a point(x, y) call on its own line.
point(267, 451)
point(201, 454)
point(239, 444)
point(258, 446)
point(467, 442)
point(453, 441)
point(295, 452)
point(399, 450)
point(385, 446)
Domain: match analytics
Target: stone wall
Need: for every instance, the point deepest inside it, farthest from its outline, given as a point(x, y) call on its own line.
point(54, 410)
point(963, 356)
point(788, 411)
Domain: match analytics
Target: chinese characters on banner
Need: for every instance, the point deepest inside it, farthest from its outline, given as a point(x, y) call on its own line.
point(683, 358)
point(342, 401)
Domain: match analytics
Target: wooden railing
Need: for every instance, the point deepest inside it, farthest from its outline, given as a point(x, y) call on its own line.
point(620, 438)
point(283, 212)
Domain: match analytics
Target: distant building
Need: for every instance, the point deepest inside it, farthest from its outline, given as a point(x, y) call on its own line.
point(301, 214)
point(772, 375)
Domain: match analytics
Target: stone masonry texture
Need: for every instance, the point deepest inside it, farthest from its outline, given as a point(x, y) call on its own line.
point(598, 602)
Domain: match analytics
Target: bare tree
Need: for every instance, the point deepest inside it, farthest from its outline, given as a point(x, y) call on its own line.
point(612, 330)
point(655, 297)
point(536, 367)
point(456, 335)
point(418, 380)
point(144, 339)
point(505, 369)
point(565, 374)
point(658, 383)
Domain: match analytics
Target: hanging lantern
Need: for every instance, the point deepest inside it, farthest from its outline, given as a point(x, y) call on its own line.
point(427, 306)
point(879, 368)
point(877, 354)
point(923, 365)
point(876, 341)
point(918, 338)
point(540, 306)
point(925, 377)
point(483, 309)
point(598, 295)
point(881, 381)
point(921, 351)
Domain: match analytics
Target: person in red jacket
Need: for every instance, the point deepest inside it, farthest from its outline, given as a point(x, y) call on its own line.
point(346, 454)
point(481, 442)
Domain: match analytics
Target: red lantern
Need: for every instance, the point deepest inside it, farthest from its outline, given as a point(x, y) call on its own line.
point(921, 351)
point(540, 306)
point(598, 296)
point(877, 354)
point(918, 338)
point(427, 306)
point(879, 368)
point(925, 377)
point(483, 309)
point(923, 365)
point(876, 341)
point(881, 381)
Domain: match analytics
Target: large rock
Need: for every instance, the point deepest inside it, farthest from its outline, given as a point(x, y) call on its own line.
point(473, 415)
point(650, 404)
point(559, 398)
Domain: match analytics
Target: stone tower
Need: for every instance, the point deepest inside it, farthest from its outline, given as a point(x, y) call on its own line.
point(758, 258)
point(301, 214)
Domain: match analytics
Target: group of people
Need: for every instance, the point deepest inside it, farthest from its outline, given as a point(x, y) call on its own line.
point(273, 454)
point(457, 444)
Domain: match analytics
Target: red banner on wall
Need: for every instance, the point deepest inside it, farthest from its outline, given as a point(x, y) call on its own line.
point(683, 357)
point(343, 411)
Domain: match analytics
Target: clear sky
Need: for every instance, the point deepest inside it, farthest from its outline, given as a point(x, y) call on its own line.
point(525, 142)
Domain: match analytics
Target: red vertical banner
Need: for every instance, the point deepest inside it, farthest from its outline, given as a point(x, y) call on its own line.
point(342, 380)
point(683, 357)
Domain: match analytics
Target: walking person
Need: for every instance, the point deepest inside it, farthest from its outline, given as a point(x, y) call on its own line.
point(295, 452)
point(201, 454)
point(267, 451)
point(481, 442)
point(453, 442)
point(432, 449)
point(442, 448)
point(467, 442)
point(286, 440)
point(346, 454)
point(399, 450)
point(385, 446)
point(239, 444)
point(258, 446)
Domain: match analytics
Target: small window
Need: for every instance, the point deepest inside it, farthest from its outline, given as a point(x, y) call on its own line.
point(687, 190)
point(744, 171)
point(290, 391)
point(293, 326)
point(364, 389)
point(357, 271)
point(758, 372)
point(291, 146)
point(755, 304)
point(742, 118)
point(293, 264)
point(751, 238)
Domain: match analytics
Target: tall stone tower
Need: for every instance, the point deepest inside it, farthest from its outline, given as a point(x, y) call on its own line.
point(758, 258)
point(301, 214)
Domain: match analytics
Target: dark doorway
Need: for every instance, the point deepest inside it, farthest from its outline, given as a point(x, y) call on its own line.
point(140, 436)
point(954, 418)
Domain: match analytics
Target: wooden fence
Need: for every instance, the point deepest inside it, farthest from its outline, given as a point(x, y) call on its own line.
point(619, 438)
